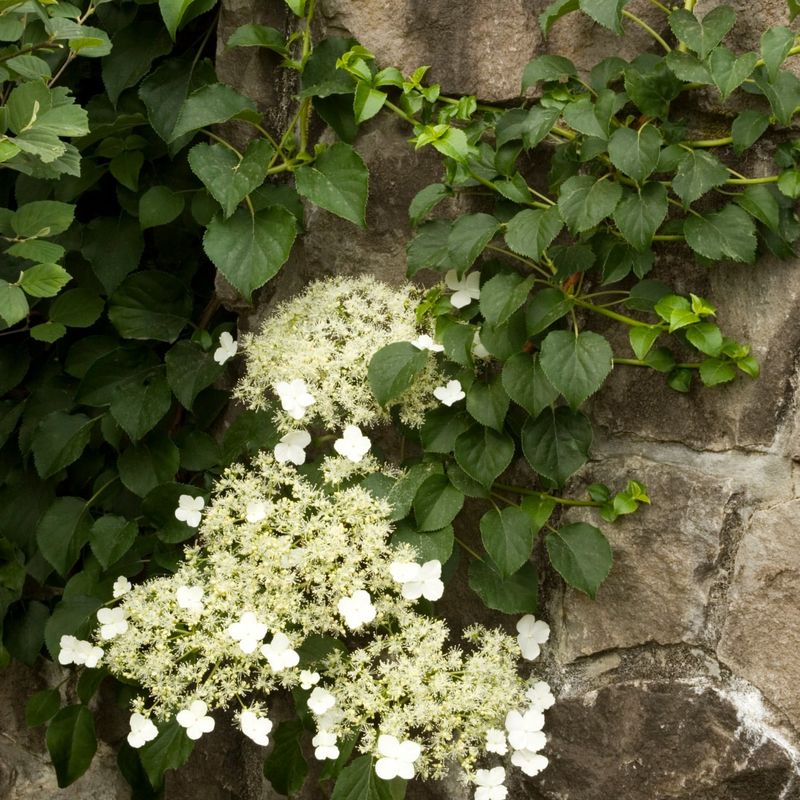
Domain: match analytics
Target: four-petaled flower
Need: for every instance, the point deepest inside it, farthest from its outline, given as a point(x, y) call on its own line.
point(294, 396)
point(78, 651)
point(321, 701)
point(196, 720)
point(227, 348)
point(189, 510)
point(490, 784)
point(425, 342)
point(496, 742)
point(112, 622)
point(353, 445)
point(121, 586)
point(292, 447)
point(449, 394)
point(525, 730)
point(279, 653)
point(418, 580)
point(190, 597)
point(465, 289)
point(248, 631)
point(308, 679)
point(142, 731)
point(255, 511)
point(357, 609)
point(325, 746)
point(255, 727)
point(540, 696)
point(396, 758)
point(532, 633)
point(529, 762)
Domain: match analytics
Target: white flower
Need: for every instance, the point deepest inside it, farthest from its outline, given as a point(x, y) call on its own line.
point(425, 342)
point(248, 631)
point(227, 348)
point(112, 622)
point(357, 609)
point(331, 718)
point(294, 397)
point(320, 701)
point(308, 679)
point(525, 730)
point(540, 696)
point(189, 509)
point(78, 651)
point(478, 350)
point(532, 633)
point(449, 394)
point(529, 762)
point(121, 586)
point(292, 447)
point(419, 580)
point(466, 289)
point(142, 731)
point(255, 727)
point(353, 445)
point(496, 742)
point(256, 511)
point(490, 784)
point(190, 597)
point(195, 720)
point(279, 653)
point(397, 758)
point(325, 746)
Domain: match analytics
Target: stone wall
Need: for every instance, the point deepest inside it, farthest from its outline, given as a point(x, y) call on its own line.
point(683, 679)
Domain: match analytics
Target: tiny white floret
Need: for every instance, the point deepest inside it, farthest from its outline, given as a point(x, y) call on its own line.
point(396, 758)
point(353, 445)
point(190, 509)
point(248, 631)
point(532, 633)
point(449, 394)
point(490, 784)
point(465, 289)
point(121, 586)
point(279, 653)
point(295, 397)
point(190, 597)
point(292, 447)
point(325, 746)
point(142, 731)
point(112, 622)
point(357, 609)
point(255, 727)
point(425, 342)
point(227, 348)
point(255, 511)
point(196, 720)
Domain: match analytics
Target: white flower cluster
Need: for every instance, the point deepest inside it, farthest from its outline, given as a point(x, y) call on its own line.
point(313, 353)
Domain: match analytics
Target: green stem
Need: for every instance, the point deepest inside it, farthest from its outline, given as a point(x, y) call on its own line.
point(635, 362)
point(721, 142)
point(468, 549)
point(564, 501)
point(753, 181)
point(530, 264)
point(222, 141)
point(400, 113)
point(645, 27)
point(668, 237)
point(633, 323)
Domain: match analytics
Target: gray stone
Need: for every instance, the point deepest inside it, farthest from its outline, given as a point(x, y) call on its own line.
point(761, 636)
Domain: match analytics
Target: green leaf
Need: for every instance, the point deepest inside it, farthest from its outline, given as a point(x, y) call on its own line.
point(159, 507)
point(706, 337)
point(713, 372)
point(110, 537)
point(530, 232)
point(358, 781)
point(62, 532)
point(59, 440)
point(76, 308)
point(581, 555)
point(150, 305)
point(426, 200)
point(487, 403)
point(429, 545)
point(337, 181)
point(484, 454)
point(142, 405)
point(556, 443)
point(507, 536)
point(580, 116)
point(402, 493)
point(640, 214)
point(285, 768)
point(546, 307)
point(44, 280)
point(249, 249)
point(72, 743)
point(635, 152)
point(747, 128)
point(13, 304)
point(698, 171)
point(436, 503)
point(113, 246)
point(502, 295)
point(584, 202)
point(526, 384)
point(553, 12)
point(169, 750)
point(211, 105)
point(428, 249)
point(725, 234)
point(576, 365)
point(653, 89)
point(775, 46)
point(148, 464)
point(702, 36)
point(109, 373)
point(530, 125)
point(367, 102)
point(159, 205)
point(642, 339)
point(393, 368)
point(729, 72)
point(41, 707)
point(607, 12)
point(518, 594)
point(760, 202)
point(441, 429)
point(190, 370)
point(687, 67)
point(42, 218)
point(468, 237)
point(547, 68)
point(783, 93)
point(23, 632)
point(252, 35)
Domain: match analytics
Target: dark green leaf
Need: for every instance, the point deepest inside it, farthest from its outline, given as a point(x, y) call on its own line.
point(402, 494)
point(518, 594)
point(111, 537)
point(169, 750)
point(507, 536)
point(725, 234)
point(42, 218)
point(484, 454)
point(41, 707)
point(581, 555)
point(436, 503)
point(576, 365)
point(190, 370)
point(150, 305)
point(547, 68)
point(553, 12)
point(63, 531)
point(747, 128)
point(640, 214)
point(546, 307)
point(702, 36)
point(441, 429)
point(358, 781)
point(252, 35)
point(584, 202)
point(487, 403)
point(134, 49)
point(502, 295)
point(468, 237)
point(211, 105)
point(775, 46)
point(159, 205)
point(59, 440)
point(142, 405)
point(729, 72)
point(783, 93)
point(652, 90)
point(114, 247)
point(556, 443)
point(428, 249)
point(393, 368)
point(526, 384)
point(285, 768)
point(759, 201)
point(530, 232)
point(426, 200)
point(607, 12)
point(72, 743)
point(76, 308)
point(698, 171)
point(635, 152)
point(530, 125)
point(148, 464)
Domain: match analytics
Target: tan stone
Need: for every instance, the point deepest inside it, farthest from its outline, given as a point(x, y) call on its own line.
point(761, 636)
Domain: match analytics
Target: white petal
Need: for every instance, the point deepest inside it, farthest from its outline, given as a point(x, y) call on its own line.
point(386, 768)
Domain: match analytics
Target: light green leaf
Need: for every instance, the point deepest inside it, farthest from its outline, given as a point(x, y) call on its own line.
point(726, 234)
point(367, 102)
point(557, 442)
point(172, 12)
point(531, 231)
point(635, 152)
point(44, 280)
point(429, 545)
point(702, 36)
point(13, 304)
point(42, 218)
point(71, 742)
point(642, 339)
point(518, 594)
point(706, 337)
point(581, 555)
point(59, 440)
point(584, 202)
point(576, 365)
point(713, 372)
point(507, 536)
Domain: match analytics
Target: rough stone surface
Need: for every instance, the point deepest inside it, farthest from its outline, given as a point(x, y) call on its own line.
point(761, 637)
